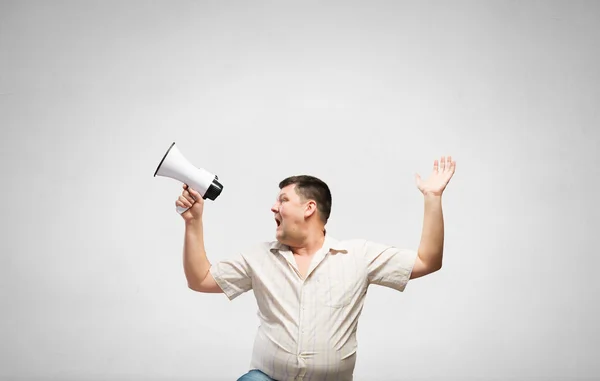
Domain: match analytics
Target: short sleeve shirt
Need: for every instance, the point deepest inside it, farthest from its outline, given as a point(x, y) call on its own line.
point(308, 325)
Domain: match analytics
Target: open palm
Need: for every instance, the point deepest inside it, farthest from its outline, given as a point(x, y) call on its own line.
point(441, 175)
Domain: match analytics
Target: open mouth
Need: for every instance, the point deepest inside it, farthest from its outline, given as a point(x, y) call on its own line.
point(278, 222)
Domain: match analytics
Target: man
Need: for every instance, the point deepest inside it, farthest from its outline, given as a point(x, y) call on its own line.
point(310, 287)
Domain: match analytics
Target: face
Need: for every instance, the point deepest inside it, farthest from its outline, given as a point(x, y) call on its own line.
point(290, 213)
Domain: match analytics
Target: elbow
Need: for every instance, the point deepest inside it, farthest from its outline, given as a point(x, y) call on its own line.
point(430, 263)
point(434, 267)
point(437, 264)
point(194, 286)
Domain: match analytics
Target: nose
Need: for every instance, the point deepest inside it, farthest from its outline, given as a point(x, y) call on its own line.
point(275, 208)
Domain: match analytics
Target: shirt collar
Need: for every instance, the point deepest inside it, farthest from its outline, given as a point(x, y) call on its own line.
point(330, 245)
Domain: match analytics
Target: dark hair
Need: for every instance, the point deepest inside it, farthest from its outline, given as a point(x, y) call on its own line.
point(311, 188)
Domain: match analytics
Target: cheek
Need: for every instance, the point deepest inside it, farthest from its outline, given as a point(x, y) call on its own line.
point(281, 211)
point(286, 213)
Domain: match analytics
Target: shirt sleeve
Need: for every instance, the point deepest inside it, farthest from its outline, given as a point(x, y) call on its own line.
point(388, 266)
point(233, 275)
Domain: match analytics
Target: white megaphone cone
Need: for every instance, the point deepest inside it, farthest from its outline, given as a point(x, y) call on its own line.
point(175, 166)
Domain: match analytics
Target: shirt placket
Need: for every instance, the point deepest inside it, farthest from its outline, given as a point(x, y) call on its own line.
point(301, 334)
point(300, 356)
point(303, 325)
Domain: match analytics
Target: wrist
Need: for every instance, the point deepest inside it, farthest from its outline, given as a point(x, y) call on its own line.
point(194, 224)
point(428, 196)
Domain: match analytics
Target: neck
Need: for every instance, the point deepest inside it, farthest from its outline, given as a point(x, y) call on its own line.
point(309, 245)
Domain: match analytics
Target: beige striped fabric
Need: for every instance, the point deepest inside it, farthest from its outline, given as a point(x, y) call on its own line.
point(308, 326)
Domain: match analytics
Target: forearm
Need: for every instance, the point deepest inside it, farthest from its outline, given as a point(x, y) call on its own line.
point(195, 262)
point(432, 237)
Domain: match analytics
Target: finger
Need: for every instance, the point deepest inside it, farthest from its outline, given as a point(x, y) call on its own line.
point(185, 186)
point(190, 199)
point(195, 194)
point(185, 194)
point(188, 194)
point(443, 164)
point(450, 163)
point(435, 165)
point(185, 202)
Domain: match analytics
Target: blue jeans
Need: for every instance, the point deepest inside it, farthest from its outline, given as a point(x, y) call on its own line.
point(255, 375)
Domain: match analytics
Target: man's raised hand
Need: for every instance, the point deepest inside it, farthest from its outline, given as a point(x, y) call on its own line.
point(439, 178)
point(191, 199)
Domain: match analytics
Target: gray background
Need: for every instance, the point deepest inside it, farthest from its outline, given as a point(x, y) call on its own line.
point(93, 93)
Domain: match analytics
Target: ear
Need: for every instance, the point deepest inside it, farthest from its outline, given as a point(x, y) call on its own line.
point(310, 208)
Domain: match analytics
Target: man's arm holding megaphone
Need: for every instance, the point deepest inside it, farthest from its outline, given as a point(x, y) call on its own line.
point(195, 262)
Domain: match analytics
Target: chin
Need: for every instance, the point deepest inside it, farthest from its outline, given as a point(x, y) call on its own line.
point(279, 236)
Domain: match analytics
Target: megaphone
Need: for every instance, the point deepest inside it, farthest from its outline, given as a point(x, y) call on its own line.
point(175, 166)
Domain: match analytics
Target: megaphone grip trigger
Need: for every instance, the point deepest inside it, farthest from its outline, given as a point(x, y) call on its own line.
point(181, 210)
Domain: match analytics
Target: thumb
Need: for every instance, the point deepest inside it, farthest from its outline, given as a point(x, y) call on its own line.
point(194, 194)
point(417, 178)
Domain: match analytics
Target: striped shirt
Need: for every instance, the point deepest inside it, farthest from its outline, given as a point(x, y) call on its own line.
point(308, 325)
